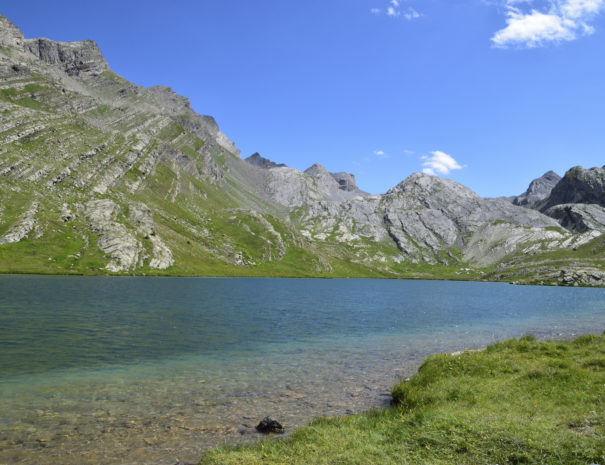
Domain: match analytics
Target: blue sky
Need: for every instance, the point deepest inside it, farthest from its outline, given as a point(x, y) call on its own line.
point(489, 93)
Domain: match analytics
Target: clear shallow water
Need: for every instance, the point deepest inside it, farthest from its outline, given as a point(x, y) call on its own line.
point(154, 370)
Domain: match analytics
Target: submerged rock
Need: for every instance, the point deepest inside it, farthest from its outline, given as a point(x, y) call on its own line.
point(268, 425)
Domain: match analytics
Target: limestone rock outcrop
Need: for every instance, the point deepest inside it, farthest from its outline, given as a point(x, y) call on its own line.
point(21, 228)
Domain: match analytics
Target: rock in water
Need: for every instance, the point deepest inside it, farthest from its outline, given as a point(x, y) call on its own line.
point(268, 425)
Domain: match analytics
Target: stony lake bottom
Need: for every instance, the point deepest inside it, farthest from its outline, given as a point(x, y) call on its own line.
point(155, 370)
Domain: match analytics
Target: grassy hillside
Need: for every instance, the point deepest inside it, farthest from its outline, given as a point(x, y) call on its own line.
point(518, 402)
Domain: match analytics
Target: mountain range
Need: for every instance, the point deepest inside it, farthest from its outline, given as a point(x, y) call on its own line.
point(99, 175)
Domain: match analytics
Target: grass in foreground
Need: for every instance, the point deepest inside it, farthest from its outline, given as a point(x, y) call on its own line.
point(518, 402)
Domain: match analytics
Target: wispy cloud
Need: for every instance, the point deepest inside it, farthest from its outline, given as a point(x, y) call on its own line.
point(394, 9)
point(411, 14)
point(380, 153)
point(439, 163)
point(557, 21)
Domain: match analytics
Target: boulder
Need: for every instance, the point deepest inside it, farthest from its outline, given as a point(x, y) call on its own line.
point(268, 425)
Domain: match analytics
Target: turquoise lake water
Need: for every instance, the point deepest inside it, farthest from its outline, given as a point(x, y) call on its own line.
point(155, 370)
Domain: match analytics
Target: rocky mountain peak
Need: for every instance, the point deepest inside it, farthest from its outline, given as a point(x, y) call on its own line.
point(423, 191)
point(551, 175)
point(257, 160)
point(344, 181)
point(424, 186)
point(538, 189)
point(317, 170)
point(10, 35)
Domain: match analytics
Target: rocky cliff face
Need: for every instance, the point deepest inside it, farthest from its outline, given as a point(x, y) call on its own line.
point(580, 217)
point(578, 186)
point(346, 181)
point(78, 59)
point(577, 201)
point(100, 175)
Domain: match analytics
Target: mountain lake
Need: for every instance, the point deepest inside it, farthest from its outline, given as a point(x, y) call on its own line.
point(108, 370)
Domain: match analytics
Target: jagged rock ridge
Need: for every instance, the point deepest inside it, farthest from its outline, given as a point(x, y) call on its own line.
point(257, 160)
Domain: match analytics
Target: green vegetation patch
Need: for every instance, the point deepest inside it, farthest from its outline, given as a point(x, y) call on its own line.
point(171, 132)
point(32, 95)
point(518, 402)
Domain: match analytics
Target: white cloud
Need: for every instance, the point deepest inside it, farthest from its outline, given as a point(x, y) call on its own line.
point(533, 29)
point(559, 20)
point(393, 9)
point(439, 163)
point(379, 153)
point(411, 14)
point(577, 9)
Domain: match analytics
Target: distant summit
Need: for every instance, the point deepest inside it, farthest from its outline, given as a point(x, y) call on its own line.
point(257, 160)
point(335, 185)
point(538, 189)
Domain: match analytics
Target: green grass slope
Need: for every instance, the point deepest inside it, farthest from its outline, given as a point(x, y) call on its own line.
point(518, 402)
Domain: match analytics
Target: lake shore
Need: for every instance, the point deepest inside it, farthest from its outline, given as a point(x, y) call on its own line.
point(518, 401)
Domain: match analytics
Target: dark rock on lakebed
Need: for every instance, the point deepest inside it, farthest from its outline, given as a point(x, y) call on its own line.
point(268, 425)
